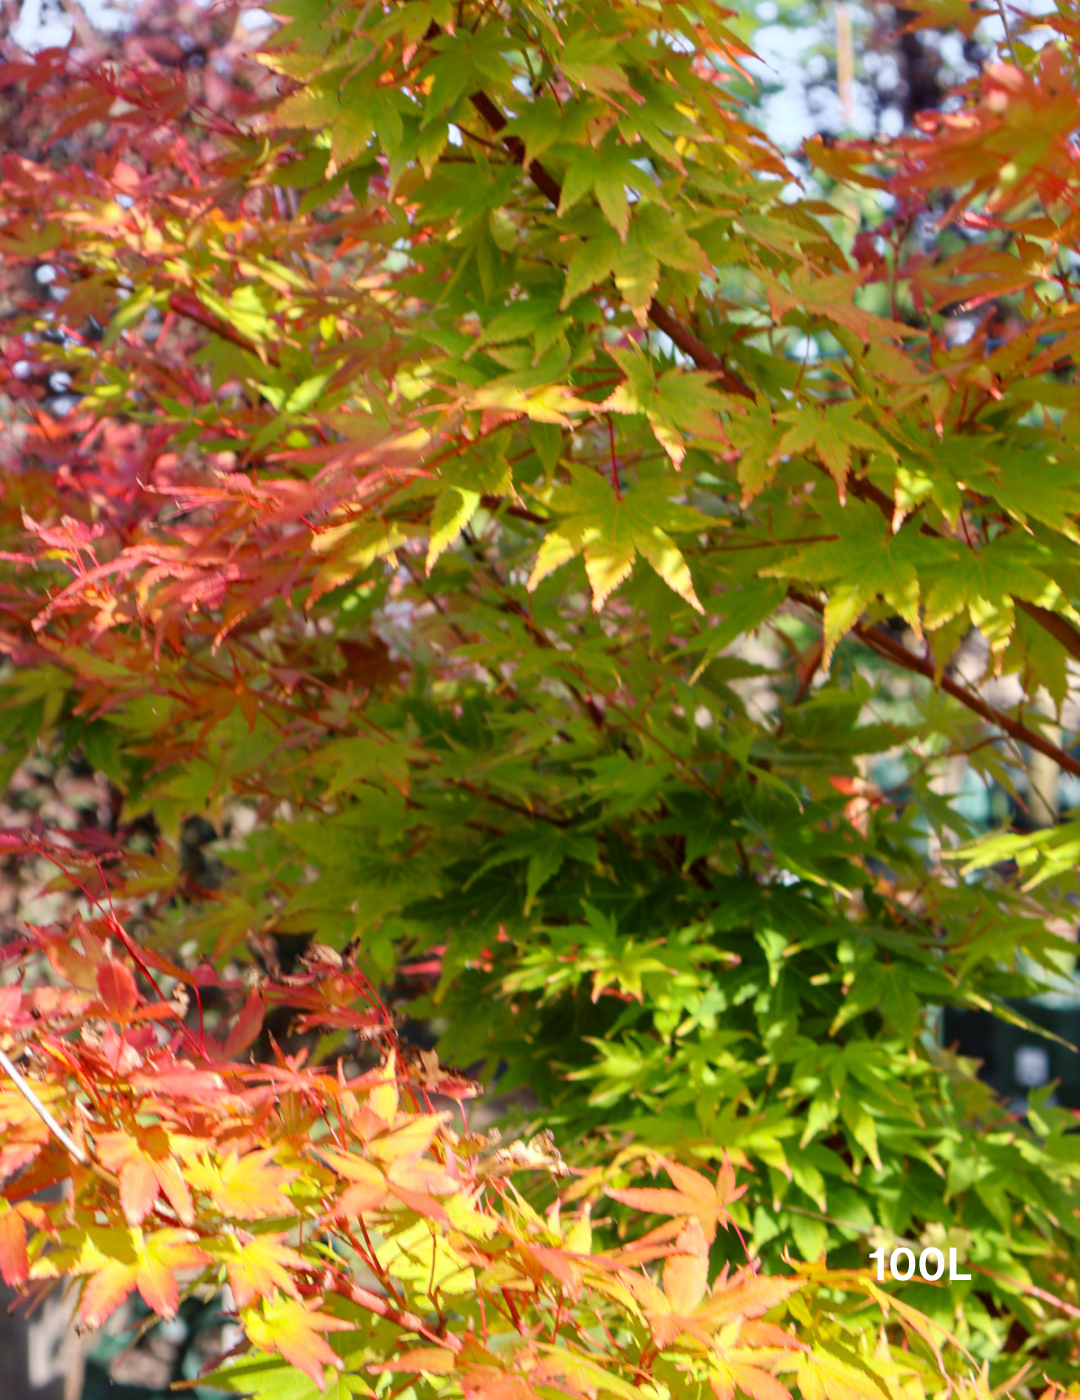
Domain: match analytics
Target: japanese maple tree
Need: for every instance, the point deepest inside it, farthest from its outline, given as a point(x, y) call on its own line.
point(517, 517)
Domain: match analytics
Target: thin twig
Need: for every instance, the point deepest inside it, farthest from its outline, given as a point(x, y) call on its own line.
point(1008, 32)
point(43, 1113)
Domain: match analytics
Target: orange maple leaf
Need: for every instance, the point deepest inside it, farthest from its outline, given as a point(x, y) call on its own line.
point(147, 1168)
point(737, 1377)
point(695, 1196)
point(14, 1266)
point(258, 1265)
point(116, 1261)
point(687, 1305)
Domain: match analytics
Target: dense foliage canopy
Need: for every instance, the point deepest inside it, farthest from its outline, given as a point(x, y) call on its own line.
point(454, 465)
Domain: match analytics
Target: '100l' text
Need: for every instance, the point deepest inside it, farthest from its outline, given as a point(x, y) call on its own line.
point(902, 1265)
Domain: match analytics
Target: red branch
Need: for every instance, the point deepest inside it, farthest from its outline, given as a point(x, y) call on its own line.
point(888, 647)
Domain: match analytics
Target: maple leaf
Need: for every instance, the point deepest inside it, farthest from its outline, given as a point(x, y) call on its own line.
point(744, 1296)
point(606, 170)
point(962, 15)
point(462, 63)
point(686, 1303)
point(984, 582)
point(384, 1098)
point(729, 1377)
point(842, 163)
point(756, 434)
point(146, 1167)
point(367, 1190)
point(832, 298)
point(831, 431)
point(653, 237)
point(483, 470)
point(686, 1270)
point(258, 1265)
point(117, 1261)
point(243, 1188)
point(456, 506)
point(430, 1361)
point(14, 1264)
point(678, 404)
point(824, 1376)
point(508, 397)
point(544, 123)
point(873, 563)
point(408, 1176)
point(297, 1331)
point(583, 62)
point(694, 1196)
point(611, 531)
point(536, 318)
point(245, 1030)
point(117, 986)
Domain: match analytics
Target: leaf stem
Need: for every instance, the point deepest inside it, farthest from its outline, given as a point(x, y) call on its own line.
point(614, 461)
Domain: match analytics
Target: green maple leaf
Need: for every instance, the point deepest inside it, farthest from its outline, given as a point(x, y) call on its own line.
point(543, 123)
point(679, 404)
point(453, 511)
point(464, 61)
point(546, 848)
point(464, 481)
point(659, 120)
point(1032, 483)
point(593, 260)
point(607, 171)
point(983, 582)
point(923, 475)
point(633, 262)
point(1035, 651)
point(611, 531)
point(871, 562)
point(352, 108)
point(536, 318)
point(583, 62)
point(263, 1377)
point(297, 1331)
point(831, 431)
point(755, 435)
point(653, 237)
